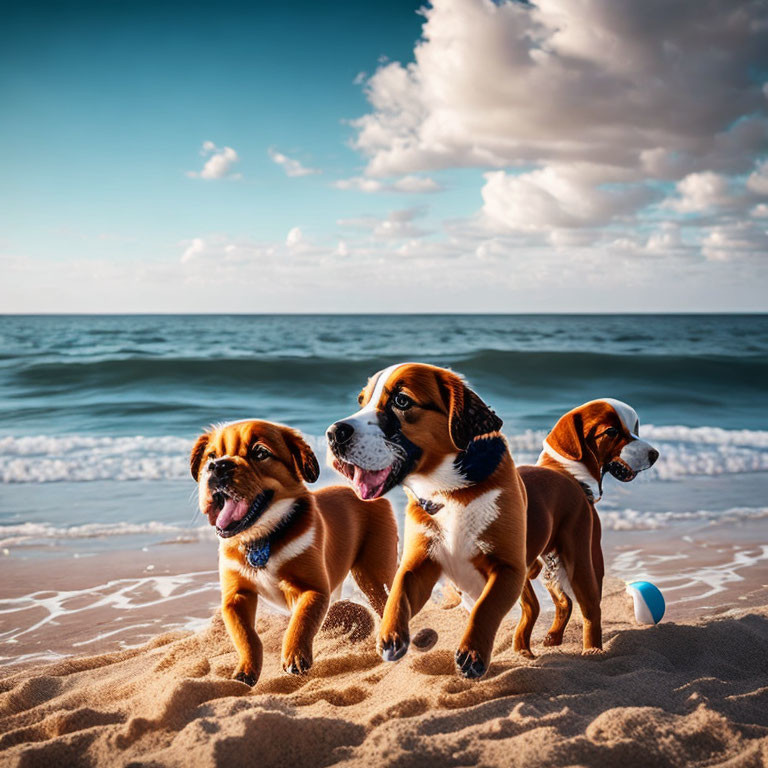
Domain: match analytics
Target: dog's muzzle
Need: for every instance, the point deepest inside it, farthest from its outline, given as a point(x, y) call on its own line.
point(229, 522)
point(635, 457)
point(373, 461)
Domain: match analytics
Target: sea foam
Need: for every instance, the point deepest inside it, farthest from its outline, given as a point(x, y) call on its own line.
point(685, 451)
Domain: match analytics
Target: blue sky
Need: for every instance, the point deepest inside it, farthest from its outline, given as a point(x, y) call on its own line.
point(106, 107)
point(471, 157)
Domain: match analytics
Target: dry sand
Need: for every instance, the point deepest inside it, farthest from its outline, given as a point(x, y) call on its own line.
point(678, 694)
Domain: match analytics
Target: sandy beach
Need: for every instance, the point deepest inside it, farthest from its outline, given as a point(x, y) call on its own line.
point(690, 691)
point(112, 651)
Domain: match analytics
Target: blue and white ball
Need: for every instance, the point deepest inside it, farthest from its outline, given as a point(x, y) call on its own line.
point(649, 602)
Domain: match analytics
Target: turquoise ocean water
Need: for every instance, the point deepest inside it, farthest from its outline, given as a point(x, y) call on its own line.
point(97, 413)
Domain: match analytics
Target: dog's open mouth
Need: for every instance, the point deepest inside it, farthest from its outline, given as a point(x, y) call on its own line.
point(236, 514)
point(621, 471)
point(368, 483)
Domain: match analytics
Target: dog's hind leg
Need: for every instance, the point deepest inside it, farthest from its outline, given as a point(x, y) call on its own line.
point(563, 610)
point(586, 584)
point(529, 604)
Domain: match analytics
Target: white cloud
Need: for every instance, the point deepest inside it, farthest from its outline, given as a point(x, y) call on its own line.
point(219, 163)
point(735, 241)
point(360, 184)
point(222, 249)
point(466, 269)
point(576, 111)
point(410, 184)
point(758, 179)
point(701, 192)
point(416, 184)
point(397, 225)
point(497, 84)
point(558, 196)
point(294, 238)
point(292, 167)
point(760, 211)
point(194, 249)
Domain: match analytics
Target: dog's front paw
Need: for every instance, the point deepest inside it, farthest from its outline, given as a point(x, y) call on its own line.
point(470, 663)
point(246, 674)
point(393, 645)
point(297, 663)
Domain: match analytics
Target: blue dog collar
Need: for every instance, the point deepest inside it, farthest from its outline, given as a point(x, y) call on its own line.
point(258, 553)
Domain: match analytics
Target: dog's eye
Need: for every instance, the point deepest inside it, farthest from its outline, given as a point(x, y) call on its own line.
point(611, 432)
point(402, 402)
point(259, 453)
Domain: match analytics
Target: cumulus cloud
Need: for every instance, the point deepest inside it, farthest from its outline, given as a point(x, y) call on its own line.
point(557, 196)
point(411, 184)
point(294, 238)
point(701, 192)
point(602, 80)
point(578, 111)
point(757, 181)
point(219, 163)
point(292, 167)
point(735, 241)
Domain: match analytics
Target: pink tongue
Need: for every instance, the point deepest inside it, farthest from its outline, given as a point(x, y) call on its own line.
point(231, 512)
point(370, 482)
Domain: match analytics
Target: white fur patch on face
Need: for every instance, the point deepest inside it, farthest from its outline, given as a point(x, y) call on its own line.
point(368, 448)
point(627, 415)
point(576, 468)
point(455, 539)
point(635, 455)
point(445, 477)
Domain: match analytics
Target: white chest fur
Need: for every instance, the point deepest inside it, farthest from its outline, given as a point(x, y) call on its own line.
point(266, 580)
point(455, 539)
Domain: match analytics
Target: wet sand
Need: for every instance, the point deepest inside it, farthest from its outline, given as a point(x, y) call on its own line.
point(690, 691)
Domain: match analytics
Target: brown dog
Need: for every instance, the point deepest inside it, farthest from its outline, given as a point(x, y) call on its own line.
point(280, 542)
point(563, 526)
point(423, 428)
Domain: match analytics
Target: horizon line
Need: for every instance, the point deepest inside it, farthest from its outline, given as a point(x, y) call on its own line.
point(643, 313)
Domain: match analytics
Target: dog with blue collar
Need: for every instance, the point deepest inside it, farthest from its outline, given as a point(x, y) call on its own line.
point(283, 544)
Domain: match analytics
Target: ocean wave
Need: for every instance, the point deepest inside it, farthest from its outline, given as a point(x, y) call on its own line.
point(517, 368)
point(32, 533)
point(83, 458)
point(642, 520)
point(685, 451)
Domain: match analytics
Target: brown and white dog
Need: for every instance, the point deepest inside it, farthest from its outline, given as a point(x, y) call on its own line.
point(596, 438)
point(421, 427)
point(283, 543)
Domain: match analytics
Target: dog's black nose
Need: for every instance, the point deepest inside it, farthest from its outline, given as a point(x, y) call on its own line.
point(222, 467)
point(653, 454)
point(339, 433)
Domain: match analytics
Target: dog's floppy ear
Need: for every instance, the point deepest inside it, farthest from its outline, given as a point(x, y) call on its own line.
point(303, 456)
point(196, 457)
point(468, 416)
point(568, 439)
point(567, 436)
